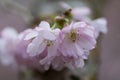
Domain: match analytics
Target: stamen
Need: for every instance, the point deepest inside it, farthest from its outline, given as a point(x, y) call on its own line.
point(72, 35)
point(48, 42)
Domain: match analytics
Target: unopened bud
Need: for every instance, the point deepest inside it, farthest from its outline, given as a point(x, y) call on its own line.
point(60, 20)
point(68, 13)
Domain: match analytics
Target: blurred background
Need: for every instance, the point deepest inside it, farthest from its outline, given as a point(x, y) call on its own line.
point(23, 14)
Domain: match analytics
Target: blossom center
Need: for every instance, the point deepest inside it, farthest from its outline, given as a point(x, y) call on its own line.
point(72, 35)
point(49, 43)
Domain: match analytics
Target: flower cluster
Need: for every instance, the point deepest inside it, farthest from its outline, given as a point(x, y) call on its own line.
point(65, 44)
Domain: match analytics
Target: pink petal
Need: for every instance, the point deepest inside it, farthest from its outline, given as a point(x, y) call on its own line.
point(56, 31)
point(49, 35)
point(86, 42)
point(45, 25)
point(100, 24)
point(79, 63)
point(57, 63)
point(89, 32)
point(86, 54)
point(81, 13)
point(52, 52)
point(81, 25)
point(31, 35)
point(36, 47)
point(68, 49)
point(79, 50)
point(9, 33)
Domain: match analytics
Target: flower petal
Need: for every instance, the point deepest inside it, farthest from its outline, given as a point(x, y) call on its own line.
point(31, 35)
point(79, 63)
point(89, 32)
point(57, 63)
point(81, 13)
point(36, 47)
point(52, 53)
point(45, 25)
point(9, 33)
point(79, 50)
point(56, 31)
point(68, 48)
point(86, 42)
point(49, 35)
point(100, 24)
point(81, 25)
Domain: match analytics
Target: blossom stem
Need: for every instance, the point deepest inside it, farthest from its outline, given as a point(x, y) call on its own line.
point(54, 26)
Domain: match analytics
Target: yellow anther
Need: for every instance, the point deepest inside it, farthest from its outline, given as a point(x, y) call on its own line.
point(72, 35)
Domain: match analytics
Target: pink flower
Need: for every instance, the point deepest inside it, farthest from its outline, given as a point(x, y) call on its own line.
point(23, 42)
point(100, 26)
point(22, 57)
point(78, 13)
point(82, 13)
point(44, 41)
point(7, 45)
point(75, 42)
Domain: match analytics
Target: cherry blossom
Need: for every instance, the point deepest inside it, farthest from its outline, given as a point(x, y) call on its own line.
point(45, 40)
point(74, 41)
point(100, 26)
point(7, 45)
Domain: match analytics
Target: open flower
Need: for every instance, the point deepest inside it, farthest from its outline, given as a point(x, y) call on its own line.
point(45, 40)
point(21, 56)
point(74, 41)
point(7, 45)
